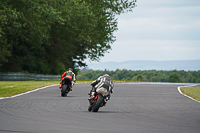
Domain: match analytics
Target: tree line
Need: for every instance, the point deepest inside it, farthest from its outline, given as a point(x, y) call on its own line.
point(49, 36)
point(180, 76)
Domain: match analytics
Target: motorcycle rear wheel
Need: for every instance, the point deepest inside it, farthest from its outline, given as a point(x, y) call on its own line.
point(64, 91)
point(98, 103)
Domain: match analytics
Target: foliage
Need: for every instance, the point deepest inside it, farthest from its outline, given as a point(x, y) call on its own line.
point(139, 78)
point(49, 36)
point(174, 77)
point(146, 76)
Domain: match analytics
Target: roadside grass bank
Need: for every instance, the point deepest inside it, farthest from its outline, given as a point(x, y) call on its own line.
point(11, 88)
point(193, 92)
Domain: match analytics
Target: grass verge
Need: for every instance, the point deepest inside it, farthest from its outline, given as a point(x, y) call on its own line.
point(193, 92)
point(10, 88)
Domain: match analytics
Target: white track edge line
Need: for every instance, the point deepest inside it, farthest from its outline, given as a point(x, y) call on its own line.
point(28, 92)
point(179, 90)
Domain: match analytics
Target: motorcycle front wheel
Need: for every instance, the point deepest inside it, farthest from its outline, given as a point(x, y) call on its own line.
point(97, 104)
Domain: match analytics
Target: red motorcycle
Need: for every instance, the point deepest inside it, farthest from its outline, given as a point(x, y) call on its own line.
point(101, 97)
point(66, 84)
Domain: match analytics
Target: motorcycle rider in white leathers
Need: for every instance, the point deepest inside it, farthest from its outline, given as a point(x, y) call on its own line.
point(103, 81)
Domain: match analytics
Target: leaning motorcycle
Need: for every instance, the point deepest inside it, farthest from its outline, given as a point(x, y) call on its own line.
point(101, 97)
point(66, 84)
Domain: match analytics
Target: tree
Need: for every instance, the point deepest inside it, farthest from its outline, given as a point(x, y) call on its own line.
point(49, 36)
point(139, 78)
point(174, 77)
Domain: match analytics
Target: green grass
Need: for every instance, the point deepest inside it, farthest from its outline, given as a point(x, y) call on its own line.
point(193, 92)
point(10, 88)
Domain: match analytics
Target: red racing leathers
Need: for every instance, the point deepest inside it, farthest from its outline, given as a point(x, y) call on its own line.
point(70, 75)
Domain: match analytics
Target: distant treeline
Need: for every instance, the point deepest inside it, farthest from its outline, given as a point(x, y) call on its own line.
point(180, 76)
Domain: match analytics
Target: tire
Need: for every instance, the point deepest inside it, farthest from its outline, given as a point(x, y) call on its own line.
point(63, 91)
point(98, 103)
point(89, 108)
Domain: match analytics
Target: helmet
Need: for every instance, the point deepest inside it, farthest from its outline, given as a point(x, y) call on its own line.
point(70, 69)
point(106, 75)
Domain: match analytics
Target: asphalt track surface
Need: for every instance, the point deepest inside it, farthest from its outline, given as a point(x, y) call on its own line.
point(133, 108)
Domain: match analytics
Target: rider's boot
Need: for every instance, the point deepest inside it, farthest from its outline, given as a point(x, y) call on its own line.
point(90, 108)
point(60, 86)
point(71, 87)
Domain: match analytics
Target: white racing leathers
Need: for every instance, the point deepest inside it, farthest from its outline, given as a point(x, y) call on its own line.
point(104, 85)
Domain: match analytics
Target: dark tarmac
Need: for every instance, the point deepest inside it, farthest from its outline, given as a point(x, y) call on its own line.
point(133, 108)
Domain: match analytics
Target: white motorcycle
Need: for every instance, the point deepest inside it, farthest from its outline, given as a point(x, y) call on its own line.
point(101, 97)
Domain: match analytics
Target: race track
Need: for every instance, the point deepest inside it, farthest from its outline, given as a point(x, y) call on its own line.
point(133, 108)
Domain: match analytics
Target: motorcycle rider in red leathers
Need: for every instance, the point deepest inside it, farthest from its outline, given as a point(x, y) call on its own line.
point(102, 81)
point(68, 74)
